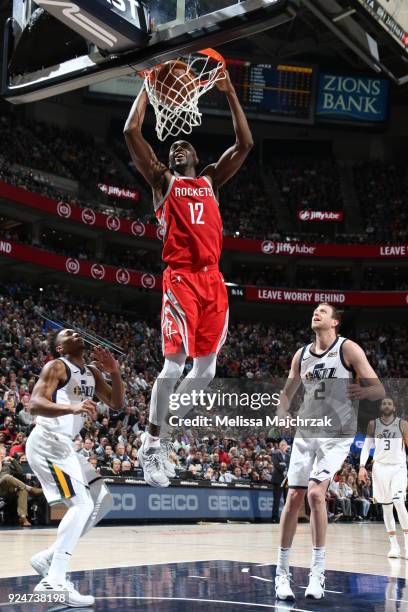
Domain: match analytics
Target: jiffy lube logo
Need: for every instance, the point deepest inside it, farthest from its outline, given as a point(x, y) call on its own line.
point(286, 248)
point(268, 247)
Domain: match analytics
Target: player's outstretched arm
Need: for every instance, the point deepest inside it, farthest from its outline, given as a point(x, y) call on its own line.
point(140, 151)
point(365, 451)
point(369, 386)
point(291, 385)
point(233, 158)
point(113, 395)
point(41, 403)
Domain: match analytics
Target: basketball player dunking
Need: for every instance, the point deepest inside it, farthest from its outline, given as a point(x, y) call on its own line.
point(388, 435)
point(326, 368)
point(194, 315)
point(60, 400)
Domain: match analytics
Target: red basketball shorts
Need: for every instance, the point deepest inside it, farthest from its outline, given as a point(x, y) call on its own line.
point(194, 311)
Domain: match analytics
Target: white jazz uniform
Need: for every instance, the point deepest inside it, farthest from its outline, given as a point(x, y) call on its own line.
point(325, 379)
point(390, 462)
point(50, 448)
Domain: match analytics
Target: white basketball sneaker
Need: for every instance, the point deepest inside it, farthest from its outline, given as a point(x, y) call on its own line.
point(150, 459)
point(315, 588)
point(41, 562)
point(73, 599)
point(282, 587)
point(166, 450)
point(394, 552)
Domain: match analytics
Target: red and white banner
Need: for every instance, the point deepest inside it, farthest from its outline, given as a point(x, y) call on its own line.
point(320, 215)
point(119, 192)
point(123, 276)
point(268, 248)
point(79, 267)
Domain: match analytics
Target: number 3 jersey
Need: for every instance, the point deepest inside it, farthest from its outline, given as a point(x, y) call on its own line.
point(389, 443)
point(325, 379)
point(191, 223)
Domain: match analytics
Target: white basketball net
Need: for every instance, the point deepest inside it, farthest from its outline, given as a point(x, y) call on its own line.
point(175, 99)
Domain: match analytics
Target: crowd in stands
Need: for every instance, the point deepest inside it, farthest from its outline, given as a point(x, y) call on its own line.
point(304, 183)
point(308, 184)
point(382, 189)
point(254, 352)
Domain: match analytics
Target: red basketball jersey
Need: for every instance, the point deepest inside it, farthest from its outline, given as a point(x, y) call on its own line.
point(191, 222)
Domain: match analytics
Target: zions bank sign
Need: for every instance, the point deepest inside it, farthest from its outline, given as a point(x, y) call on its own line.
point(352, 97)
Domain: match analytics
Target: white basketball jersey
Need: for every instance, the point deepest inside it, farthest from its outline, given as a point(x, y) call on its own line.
point(80, 386)
point(325, 379)
point(389, 443)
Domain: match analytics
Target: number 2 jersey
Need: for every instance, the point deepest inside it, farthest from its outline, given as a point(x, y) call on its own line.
point(192, 228)
point(325, 379)
point(389, 443)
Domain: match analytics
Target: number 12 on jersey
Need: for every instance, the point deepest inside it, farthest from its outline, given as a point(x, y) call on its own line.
point(196, 212)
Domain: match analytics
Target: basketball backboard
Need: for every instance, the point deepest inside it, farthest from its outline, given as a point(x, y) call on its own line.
point(176, 27)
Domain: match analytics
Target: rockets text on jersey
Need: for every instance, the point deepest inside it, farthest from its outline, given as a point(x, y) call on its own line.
point(191, 221)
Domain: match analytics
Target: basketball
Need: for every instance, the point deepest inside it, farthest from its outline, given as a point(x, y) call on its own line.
point(174, 82)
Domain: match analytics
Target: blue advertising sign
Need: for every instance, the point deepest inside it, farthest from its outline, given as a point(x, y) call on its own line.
point(358, 444)
point(350, 97)
point(141, 502)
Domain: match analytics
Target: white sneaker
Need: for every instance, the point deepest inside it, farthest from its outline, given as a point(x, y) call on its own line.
point(166, 449)
point(315, 588)
point(41, 563)
point(150, 460)
point(282, 587)
point(394, 552)
point(73, 599)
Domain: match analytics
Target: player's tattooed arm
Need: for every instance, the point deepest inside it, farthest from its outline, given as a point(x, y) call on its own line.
point(140, 151)
point(365, 451)
point(113, 395)
point(233, 158)
point(368, 385)
point(291, 385)
point(53, 375)
point(404, 430)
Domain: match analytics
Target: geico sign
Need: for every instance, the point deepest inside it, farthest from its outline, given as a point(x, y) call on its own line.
point(265, 503)
point(124, 501)
point(229, 502)
point(172, 502)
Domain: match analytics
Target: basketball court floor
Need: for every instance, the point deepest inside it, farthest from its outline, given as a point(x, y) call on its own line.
point(225, 567)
